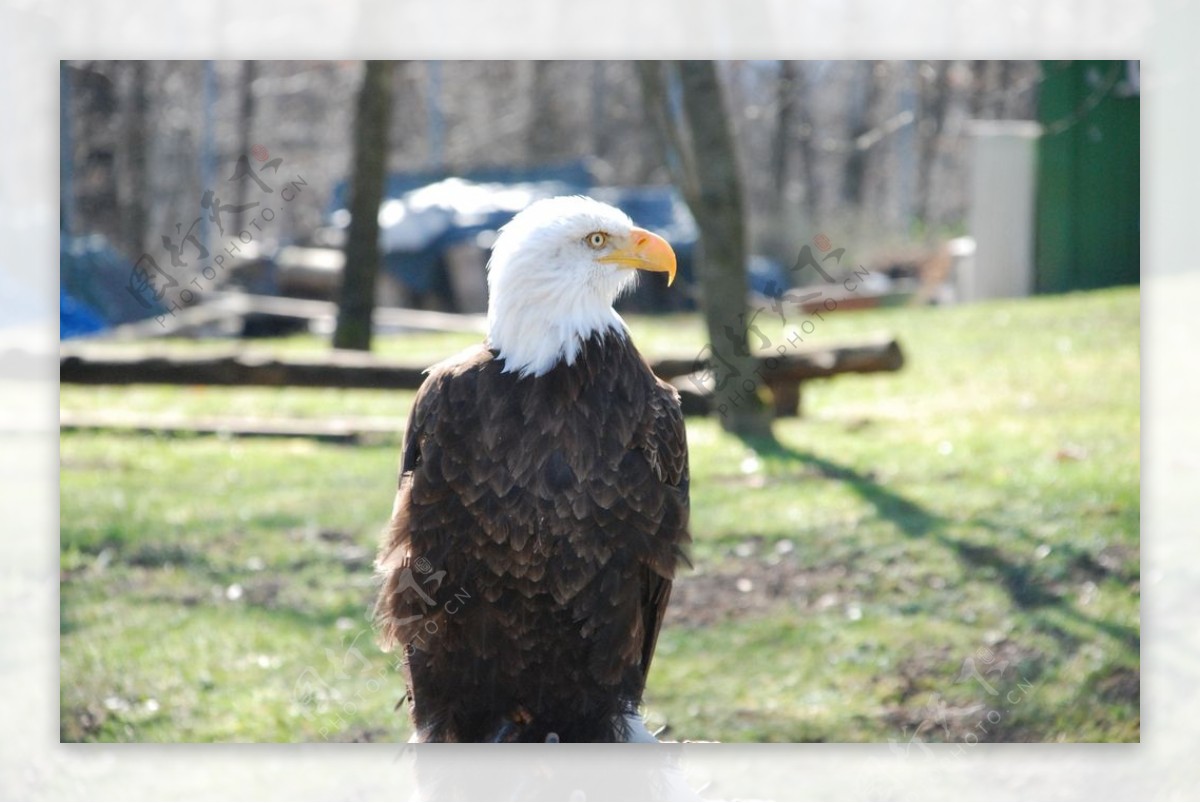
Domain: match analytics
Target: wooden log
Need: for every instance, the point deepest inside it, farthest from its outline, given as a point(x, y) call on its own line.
point(869, 355)
point(785, 396)
point(345, 369)
point(338, 430)
point(782, 373)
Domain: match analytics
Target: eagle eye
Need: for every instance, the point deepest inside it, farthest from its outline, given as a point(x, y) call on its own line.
point(596, 240)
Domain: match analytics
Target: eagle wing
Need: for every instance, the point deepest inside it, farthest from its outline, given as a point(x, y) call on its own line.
point(412, 588)
point(665, 445)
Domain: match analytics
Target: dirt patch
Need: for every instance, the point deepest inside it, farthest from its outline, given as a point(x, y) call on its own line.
point(81, 724)
point(336, 536)
point(365, 734)
point(1123, 685)
point(979, 700)
point(741, 587)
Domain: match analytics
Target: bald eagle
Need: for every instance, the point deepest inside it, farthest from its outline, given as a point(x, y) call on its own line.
point(543, 499)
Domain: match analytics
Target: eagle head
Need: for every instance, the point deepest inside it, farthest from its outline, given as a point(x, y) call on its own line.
point(555, 271)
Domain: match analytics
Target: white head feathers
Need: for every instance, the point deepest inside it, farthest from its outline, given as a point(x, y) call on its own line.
point(555, 271)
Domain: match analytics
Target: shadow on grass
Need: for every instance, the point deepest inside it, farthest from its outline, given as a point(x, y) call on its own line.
point(1022, 588)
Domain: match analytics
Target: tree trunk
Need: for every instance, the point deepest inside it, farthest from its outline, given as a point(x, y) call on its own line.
point(133, 190)
point(676, 151)
point(804, 143)
point(357, 302)
point(866, 118)
point(781, 143)
point(245, 133)
point(935, 96)
point(712, 187)
point(979, 89)
point(549, 134)
point(784, 186)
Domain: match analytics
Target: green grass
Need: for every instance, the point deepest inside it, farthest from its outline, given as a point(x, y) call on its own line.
point(978, 509)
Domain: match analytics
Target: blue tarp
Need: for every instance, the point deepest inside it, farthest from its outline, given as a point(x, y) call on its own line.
point(424, 213)
point(96, 277)
point(767, 277)
point(76, 319)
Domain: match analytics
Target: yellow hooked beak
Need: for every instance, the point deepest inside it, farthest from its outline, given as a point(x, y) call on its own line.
point(645, 251)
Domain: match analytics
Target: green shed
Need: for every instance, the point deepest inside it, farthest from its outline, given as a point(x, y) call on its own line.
point(1089, 179)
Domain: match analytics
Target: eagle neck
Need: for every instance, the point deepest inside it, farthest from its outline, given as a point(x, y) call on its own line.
point(532, 345)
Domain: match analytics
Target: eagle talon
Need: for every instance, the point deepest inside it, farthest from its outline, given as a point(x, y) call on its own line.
point(507, 732)
point(511, 727)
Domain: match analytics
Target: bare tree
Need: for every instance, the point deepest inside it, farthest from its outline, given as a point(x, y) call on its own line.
point(132, 186)
point(245, 132)
point(793, 158)
point(357, 301)
point(701, 154)
point(861, 165)
point(781, 143)
point(782, 161)
point(935, 97)
point(806, 135)
point(549, 138)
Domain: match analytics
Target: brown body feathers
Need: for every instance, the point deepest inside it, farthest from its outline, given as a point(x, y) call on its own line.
point(536, 532)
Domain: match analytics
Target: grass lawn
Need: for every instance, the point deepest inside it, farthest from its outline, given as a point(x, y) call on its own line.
point(947, 553)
